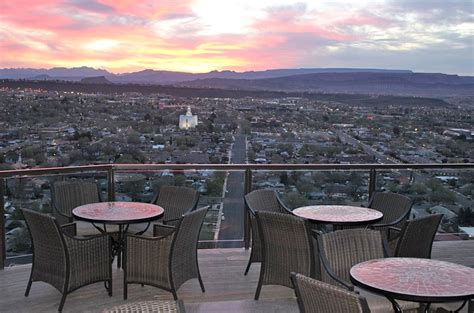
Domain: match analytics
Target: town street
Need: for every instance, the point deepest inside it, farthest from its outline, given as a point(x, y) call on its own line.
point(232, 229)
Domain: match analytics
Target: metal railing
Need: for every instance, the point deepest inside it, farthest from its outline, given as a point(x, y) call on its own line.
point(248, 169)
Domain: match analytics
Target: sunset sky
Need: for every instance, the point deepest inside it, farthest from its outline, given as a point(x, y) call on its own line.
point(204, 35)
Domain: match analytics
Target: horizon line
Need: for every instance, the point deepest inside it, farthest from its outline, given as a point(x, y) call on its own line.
point(234, 71)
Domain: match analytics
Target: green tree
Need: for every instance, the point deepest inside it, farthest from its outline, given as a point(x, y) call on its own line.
point(295, 200)
point(442, 195)
point(418, 188)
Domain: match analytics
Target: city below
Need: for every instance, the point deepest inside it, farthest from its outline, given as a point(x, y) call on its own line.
point(56, 123)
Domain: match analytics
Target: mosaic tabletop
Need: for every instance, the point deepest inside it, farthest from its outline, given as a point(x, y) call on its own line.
point(118, 212)
point(416, 277)
point(338, 214)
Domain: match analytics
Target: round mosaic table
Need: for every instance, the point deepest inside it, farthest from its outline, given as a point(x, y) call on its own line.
point(118, 213)
point(414, 279)
point(339, 214)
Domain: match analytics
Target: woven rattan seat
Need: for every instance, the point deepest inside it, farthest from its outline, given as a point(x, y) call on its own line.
point(152, 306)
point(66, 262)
point(167, 260)
point(67, 195)
point(340, 250)
point(395, 208)
point(416, 237)
point(287, 246)
point(316, 296)
point(261, 200)
point(176, 201)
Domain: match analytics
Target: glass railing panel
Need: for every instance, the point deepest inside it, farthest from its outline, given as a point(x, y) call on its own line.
point(142, 186)
point(310, 187)
point(33, 193)
point(441, 190)
point(446, 191)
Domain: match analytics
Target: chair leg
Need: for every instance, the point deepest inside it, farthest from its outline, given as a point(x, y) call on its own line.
point(28, 287)
point(175, 296)
point(259, 288)
point(108, 286)
point(248, 266)
point(63, 300)
point(125, 291)
point(119, 259)
point(201, 283)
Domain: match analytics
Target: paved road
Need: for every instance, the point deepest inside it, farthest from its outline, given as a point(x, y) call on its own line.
point(345, 138)
point(232, 227)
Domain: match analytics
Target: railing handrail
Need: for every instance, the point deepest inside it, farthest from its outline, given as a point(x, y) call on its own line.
point(111, 169)
point(238, 167)
point(41, 171)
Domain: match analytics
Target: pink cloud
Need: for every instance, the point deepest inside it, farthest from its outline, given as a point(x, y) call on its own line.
point(162, 34)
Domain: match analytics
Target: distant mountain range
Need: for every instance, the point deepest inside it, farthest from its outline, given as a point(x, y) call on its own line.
point(383, 83)
point(326, 80)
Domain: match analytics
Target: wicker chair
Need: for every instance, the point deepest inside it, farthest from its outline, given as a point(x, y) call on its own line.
point(316, 296)
point(395, 208)
point(152, 306)
point(261, 200)
point(176, 201)
point(340, 250)
point(287, 246)
point(453, 307)
point(67, 195)
point(168, 260)
point(64, 261)
point(416, 237)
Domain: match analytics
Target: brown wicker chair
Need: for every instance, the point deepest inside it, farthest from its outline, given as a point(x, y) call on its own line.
point(287, 246)
point(395, 208)
point(315, 296)
point(261, 200)
point(64, 261)
point(340, 250)
point(168, 260)
point(416, 237)
point(67, 195)
point(152, 306)
point(176, 201)
point(453, 307)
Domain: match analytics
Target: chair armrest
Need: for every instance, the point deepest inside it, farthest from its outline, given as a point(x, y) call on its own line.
point(252, 212)
point(399, 220)
point(397, 232)
point(316, 233)
point(155, 197)
point(70, 229)
point(162, 230)
point(283, 206)
point(61, 217)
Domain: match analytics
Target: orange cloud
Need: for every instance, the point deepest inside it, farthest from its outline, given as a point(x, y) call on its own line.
point(130, 35)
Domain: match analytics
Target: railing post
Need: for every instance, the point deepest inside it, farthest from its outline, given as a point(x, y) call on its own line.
point(247, 189)
point(111, 184)
point(372, 181)
point(2, 224)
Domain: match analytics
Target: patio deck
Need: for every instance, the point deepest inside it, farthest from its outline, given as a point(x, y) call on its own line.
point(227, 289)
